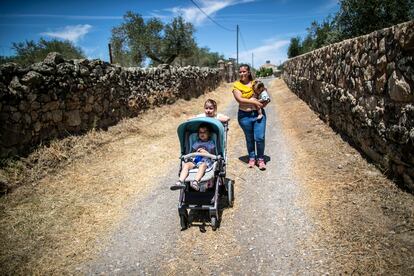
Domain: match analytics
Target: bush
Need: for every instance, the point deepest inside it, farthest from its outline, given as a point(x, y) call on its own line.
point(264, 72)
point(29, 52)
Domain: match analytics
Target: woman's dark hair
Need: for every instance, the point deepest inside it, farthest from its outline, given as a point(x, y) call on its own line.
point(248, 69)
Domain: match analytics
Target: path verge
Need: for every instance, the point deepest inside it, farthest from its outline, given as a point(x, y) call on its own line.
point(365, 221)
point(51, 226)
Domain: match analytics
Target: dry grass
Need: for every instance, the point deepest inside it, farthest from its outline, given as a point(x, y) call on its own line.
point(363, 221)
point(48, 159)
point(76, 189)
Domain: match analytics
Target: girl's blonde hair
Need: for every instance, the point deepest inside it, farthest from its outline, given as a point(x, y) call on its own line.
point(212, 102)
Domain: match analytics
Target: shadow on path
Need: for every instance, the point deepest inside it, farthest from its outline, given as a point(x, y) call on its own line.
point(245, 159)
point(202, 218)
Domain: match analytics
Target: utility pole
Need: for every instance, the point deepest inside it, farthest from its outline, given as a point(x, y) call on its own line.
point(237, 45)
point(252, 60)
point(110, 53)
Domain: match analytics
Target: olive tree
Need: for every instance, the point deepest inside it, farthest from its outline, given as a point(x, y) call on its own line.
point(137, 39)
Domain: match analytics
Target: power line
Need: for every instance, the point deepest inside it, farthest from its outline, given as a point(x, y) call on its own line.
point(218, 24)
point(242, 39)
point(245, 48)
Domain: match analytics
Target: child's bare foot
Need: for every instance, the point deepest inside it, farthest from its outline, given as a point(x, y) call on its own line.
point(195, 185)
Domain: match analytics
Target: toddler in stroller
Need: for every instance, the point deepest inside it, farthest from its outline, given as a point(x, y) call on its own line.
point(202, 168)
point(203, 145)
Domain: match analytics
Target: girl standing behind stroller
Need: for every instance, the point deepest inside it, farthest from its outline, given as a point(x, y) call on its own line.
point(210, 110)
point(203, 145)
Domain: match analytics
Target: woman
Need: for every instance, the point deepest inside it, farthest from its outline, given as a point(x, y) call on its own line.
point(254, 129)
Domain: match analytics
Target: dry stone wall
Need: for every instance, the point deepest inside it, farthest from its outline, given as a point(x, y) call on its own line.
point(364, 88)
point(56, 98)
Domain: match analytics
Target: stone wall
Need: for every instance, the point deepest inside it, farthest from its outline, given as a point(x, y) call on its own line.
point(227, 70)
point(56, 98)
point(364, 88)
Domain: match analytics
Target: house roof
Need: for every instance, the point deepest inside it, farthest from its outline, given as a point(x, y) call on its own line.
point(268, 65)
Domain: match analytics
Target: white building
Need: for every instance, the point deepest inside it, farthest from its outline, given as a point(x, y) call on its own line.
point(276, 72)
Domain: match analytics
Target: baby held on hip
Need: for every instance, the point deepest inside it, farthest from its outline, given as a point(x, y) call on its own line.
point(260, 93)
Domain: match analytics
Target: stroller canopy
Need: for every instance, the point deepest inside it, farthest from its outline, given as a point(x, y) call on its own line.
point(191, 126)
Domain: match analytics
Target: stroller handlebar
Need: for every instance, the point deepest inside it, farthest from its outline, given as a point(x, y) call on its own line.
point(208, 155)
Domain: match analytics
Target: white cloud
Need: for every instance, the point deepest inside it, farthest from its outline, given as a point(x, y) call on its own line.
point(72, 33)
point(210, 7)
point(95, 52)
point(272, 49)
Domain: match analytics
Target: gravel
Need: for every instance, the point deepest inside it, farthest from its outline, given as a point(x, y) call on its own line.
point(262, 233)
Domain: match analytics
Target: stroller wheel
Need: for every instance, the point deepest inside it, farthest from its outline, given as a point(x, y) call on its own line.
point(184, 222)
point(230, 193)
point(214, 223)
point(222, 187)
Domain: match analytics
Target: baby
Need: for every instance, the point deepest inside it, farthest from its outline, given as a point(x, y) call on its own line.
point(261, 94)
point(203, 145)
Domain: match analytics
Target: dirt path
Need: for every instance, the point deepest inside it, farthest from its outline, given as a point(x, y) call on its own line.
point(256, 236)
point(318, 208)
point(282, 222)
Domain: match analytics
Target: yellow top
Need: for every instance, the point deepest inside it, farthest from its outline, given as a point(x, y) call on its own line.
point(247, 91)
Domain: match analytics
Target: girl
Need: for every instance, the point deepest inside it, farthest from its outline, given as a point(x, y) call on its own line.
point(210, 110)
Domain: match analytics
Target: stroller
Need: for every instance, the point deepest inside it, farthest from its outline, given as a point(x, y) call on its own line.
point(213, 184)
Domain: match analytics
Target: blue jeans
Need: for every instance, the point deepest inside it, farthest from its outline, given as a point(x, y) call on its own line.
point(254, 131)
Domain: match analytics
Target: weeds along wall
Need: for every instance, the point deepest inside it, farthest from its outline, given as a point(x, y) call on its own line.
point(56, 98)
point(363, 87)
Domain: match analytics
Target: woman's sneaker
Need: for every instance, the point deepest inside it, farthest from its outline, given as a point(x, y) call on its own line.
point(251, 163)
point(262, 164)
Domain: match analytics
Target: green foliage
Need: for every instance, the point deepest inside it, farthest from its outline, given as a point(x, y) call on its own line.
point(200, 57)
point(280, 67)
point(135, 40)
point(269, 71)
point(295, 47)
point(357, 18)
point(264, 72)
point(29, 52)
point(179, 41)
point(4, 59)
point(354, 18)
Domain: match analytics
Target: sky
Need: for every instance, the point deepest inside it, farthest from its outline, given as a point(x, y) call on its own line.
point(266, 26)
